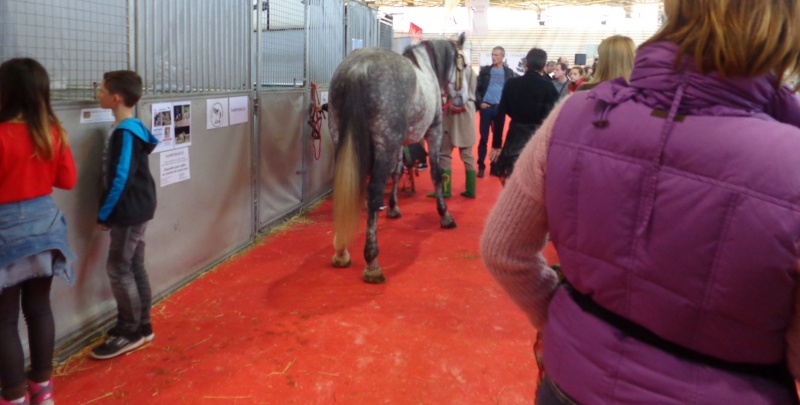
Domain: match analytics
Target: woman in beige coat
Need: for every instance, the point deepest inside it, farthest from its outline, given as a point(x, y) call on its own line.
point(458, 128)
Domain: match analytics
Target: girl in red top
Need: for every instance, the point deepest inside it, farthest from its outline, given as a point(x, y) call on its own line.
point(34, 158)
point(576, 78)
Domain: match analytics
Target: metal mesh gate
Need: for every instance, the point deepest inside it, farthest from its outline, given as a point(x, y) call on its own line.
point(281, 27)
point(75, 40)
point(362, 26)
point(193, 46)
point(326, 39)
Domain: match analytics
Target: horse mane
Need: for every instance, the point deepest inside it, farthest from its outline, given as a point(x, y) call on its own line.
point(441, 55)
point(409, 53)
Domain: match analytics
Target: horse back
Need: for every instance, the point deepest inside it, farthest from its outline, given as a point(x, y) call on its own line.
point(370, 92)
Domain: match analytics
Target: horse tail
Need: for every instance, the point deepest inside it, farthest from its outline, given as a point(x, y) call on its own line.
point(347, 191)
point(353, 159)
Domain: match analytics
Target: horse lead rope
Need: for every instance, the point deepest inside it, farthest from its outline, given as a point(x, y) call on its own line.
point(315, 121)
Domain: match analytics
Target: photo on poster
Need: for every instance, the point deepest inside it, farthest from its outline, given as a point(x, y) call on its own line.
point(161, 126)
point(181, 111)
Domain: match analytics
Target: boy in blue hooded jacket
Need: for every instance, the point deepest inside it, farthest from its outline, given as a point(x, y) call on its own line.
point(128, 202)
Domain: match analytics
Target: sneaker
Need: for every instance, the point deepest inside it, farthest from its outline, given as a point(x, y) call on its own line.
point(116, 345)
point(7, 402)
point(41, 395)
point(422, 166)
point(480, 174)
point(146, 330)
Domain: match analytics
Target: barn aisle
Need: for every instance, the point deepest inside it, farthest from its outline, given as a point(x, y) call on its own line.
point(279, 325)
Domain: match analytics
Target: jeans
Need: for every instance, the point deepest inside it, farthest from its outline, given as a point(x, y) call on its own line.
point(487, 118)
point(549, 394)
point(34, 294)
point(129, 282)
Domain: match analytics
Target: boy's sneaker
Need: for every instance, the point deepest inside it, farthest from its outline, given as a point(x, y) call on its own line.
point(116, 345)
point(6, 402)
point(41, 395)
point(146, 330)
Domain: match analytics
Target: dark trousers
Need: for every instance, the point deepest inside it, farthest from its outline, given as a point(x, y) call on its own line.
point(487, 118)
point(549, 394)
point(129, 281)
point(35, 297)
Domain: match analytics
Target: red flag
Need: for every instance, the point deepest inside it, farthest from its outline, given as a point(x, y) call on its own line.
point(415, 31)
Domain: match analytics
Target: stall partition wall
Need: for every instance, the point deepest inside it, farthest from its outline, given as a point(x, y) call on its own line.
point(280, 165)
point(294, 169)
point(198, 221)
point(319, 160)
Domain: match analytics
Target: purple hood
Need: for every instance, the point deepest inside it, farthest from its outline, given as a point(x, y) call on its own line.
point(656, 84)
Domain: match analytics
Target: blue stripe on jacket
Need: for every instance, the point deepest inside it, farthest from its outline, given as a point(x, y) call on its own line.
point(120, 176)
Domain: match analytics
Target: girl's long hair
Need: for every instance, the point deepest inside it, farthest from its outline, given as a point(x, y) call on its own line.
point(25, 94)
point(746, 38)
point(615, 59)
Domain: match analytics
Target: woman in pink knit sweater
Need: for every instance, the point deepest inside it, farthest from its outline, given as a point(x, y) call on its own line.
point(674, 204)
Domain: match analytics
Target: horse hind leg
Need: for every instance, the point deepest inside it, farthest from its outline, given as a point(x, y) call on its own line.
point(341, 258)
point(372, 272)
point(381, 168)
point(394, 209)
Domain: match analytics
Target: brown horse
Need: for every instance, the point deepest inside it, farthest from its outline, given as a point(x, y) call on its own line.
point(380, 100)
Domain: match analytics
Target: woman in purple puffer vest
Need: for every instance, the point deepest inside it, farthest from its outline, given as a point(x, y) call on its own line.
point(674, 204)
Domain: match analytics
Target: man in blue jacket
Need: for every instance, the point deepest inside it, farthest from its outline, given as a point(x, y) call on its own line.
point(491, 80)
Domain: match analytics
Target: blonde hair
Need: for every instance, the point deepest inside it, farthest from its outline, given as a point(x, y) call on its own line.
point(735, 37)
point(615, 59)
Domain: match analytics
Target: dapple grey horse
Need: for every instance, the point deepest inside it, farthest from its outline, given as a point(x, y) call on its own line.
point(380, 100)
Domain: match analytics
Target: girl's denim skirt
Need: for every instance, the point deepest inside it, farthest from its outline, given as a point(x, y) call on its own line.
point(33, 242)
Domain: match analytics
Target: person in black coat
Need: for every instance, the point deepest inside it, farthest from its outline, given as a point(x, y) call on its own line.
point(527, 100)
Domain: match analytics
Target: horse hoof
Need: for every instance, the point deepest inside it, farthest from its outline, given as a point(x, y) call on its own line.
point(341, 263)
point(448, 222)
point(393, 213)
point(379, 279)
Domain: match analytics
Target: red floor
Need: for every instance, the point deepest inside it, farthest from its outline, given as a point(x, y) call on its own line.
point(279, 325)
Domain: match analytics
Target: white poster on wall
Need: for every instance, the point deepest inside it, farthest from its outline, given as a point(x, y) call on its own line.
point(90, 115)
point(175, 166)
point(161, 126)
point(516, 61)
point(238, 109)
point(216, 113)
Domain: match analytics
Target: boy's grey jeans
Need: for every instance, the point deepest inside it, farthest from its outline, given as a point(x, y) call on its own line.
point(129, 281)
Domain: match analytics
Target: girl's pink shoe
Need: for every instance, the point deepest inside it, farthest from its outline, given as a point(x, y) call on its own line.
point(41, 395)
